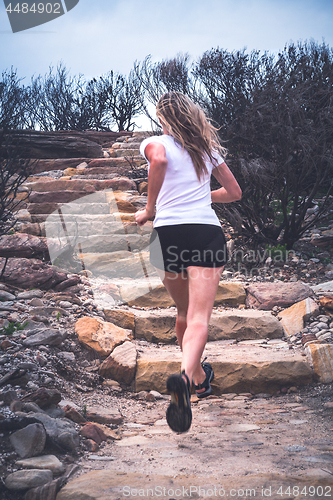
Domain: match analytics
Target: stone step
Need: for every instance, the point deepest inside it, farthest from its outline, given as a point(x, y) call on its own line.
point(238, 368)
point(98, 243)
point(117, 184)
point(119, 265)
point(121, 161)
point(152, 293)
point(68, 208)
point(158, 326)
point(125, 218)
point(124, 152)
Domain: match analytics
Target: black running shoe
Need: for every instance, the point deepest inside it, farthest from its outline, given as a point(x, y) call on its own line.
point(179, 414)
point(207, 368)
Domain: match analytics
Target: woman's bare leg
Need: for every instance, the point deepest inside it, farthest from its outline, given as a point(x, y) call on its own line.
point(202, 284)
point(177, 286)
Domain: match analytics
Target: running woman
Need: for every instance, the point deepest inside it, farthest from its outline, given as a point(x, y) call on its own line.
point(188, 247)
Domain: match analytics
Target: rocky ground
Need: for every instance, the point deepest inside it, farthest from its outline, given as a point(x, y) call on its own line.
point(66, 411)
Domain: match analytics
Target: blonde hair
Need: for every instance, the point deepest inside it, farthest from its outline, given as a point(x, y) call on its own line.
point(186, 122)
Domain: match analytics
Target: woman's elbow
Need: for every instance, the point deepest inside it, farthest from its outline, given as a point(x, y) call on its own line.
point(237, 194)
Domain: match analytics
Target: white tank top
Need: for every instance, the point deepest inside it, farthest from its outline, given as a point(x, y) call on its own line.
point(183, 199)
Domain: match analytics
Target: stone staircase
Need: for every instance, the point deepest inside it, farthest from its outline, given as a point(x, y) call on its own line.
point(88, 209)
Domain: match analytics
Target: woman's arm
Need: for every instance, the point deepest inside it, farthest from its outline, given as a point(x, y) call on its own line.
point(155, 153)
point(230, 190)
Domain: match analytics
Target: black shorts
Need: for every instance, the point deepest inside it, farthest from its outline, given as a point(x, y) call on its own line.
point(174, 248)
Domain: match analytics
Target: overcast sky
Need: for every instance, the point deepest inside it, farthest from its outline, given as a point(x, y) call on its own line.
point(99, 35)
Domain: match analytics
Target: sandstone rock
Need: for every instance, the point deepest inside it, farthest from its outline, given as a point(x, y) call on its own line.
point(100, 335)
point(29, 228)
point(159, 326)
point(101, 485)
point(121, 364)
point(74, 280)
point(117, 184)
point(109, 433)
point(103, 415)
point(321, 358)
point(120, 317)
point(146, 293)
point(92, 431)
point(30, 273)
point(126, 203)
point(74, 415)
point(65, 196)
point(267, 295)
point(23, 215)
point(141, 296)
point(23, 245)
point(293, 318)
point(49, 462)
point(327, 301)
point(43, 397)
point(156, 326)
point(121, 164)
point(237, 369)
point(30, 441)
point(119, 264)
point(55, 144)
point(143, 187)
point(25, 479)
point(230, 293)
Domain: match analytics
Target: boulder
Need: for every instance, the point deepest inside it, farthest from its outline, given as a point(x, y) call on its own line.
point(60, 431)
point(121, 364)
point(23, 245)
point(55, 144)
point(30, 441)
point(43, 397)
point(320, 357)
point(293, 317)
point(49, 462)
point(26, 479)
point(267, 295)
point(30, 273)
point(99, 335)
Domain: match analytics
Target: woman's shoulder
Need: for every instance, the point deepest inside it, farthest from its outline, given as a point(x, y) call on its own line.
point(165, 140)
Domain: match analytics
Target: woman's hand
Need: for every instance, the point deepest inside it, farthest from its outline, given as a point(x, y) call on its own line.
point(141, 216)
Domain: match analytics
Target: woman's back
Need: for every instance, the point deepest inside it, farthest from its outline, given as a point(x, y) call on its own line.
point(183, 198)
